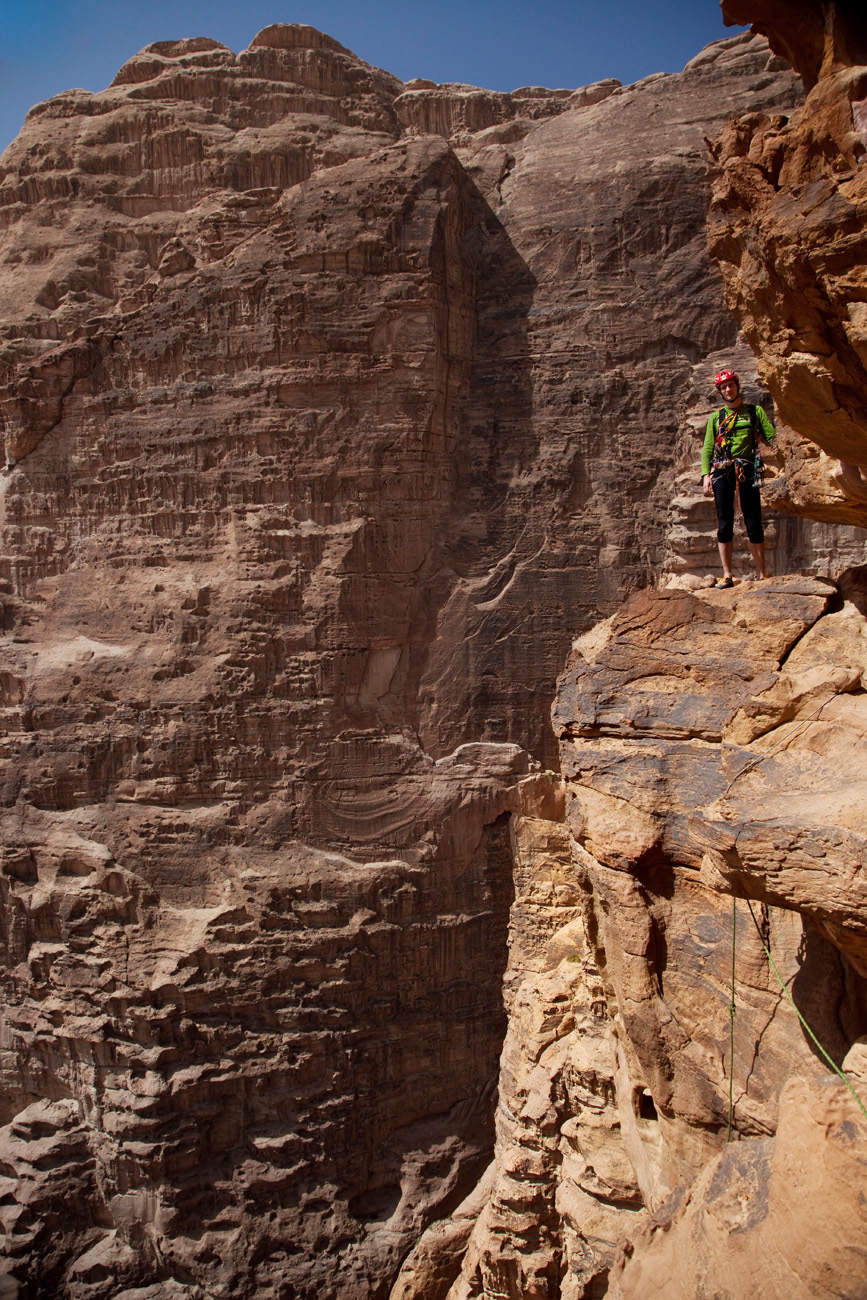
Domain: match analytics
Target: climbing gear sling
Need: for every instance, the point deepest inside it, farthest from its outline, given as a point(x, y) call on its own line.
point(722, 453)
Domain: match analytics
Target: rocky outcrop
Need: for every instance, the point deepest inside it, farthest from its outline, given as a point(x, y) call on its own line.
point(699, 732)
point(783, 1217)
point(788, 218)
point(458, 112)
point(761, 674)
point(325, 435)
point(815, 36)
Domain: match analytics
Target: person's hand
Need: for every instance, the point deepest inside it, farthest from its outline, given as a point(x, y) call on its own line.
point(706, 487)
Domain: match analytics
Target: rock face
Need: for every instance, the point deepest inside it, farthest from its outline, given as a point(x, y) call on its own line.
point(703, 737)
point(788, 224)
point(751, 1216)
point(326, 433)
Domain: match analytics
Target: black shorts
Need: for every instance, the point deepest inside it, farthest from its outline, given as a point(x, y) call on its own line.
point(723, 484)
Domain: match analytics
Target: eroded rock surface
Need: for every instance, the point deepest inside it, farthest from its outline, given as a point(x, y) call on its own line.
point(714, 741)
point(702, 734)
point(788, 223)
point(782, 1217)
point(326, 433)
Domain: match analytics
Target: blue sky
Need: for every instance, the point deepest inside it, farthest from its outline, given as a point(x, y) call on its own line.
point(47, 46)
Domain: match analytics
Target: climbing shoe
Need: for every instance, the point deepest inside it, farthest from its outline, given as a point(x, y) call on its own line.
point(724, 582)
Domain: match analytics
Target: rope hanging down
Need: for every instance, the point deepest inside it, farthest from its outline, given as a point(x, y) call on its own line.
point(784, 987)
point(732, 1012)
point(787, 735)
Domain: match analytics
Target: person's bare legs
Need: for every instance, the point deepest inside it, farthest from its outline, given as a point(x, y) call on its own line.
point(725, 555)
point(758, 553)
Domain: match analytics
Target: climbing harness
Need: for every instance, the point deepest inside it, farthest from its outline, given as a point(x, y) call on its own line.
point(723, 459)
point(732, 1009)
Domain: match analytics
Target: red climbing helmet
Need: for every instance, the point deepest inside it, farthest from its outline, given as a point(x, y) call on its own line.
point(724, 376)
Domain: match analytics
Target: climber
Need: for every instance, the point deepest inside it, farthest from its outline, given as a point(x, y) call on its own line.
point(731, 456)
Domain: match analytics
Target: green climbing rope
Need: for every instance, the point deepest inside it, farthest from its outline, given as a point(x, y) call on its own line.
point(785, 989)
point(787, 735)
point(732, 1009)
point(732, 1013)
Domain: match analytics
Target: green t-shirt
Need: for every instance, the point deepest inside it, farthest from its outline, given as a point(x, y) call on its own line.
point(741, 441)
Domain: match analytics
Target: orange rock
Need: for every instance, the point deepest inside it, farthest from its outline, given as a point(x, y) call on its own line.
point(787, 229)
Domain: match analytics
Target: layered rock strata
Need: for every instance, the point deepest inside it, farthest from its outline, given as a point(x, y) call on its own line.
point(713, 744)
point(324, 438)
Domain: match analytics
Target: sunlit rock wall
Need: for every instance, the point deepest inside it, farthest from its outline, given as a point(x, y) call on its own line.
point(712, 744)
point(324, 438)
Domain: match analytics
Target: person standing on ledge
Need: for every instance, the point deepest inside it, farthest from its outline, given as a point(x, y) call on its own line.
point(730, 457)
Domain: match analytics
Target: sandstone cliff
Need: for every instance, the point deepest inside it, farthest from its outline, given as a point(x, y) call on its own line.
point(333, 409)
point(713, 750)
point(788, 231)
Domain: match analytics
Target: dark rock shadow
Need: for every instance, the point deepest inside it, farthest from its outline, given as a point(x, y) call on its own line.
point(830, 995)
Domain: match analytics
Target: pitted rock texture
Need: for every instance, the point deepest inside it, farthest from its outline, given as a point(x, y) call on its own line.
point(693, 727)
point(751, 1217)
point(713, 742)
point(264, 1075)
point(562, 1189)
point(325, 438)
point(788, 222)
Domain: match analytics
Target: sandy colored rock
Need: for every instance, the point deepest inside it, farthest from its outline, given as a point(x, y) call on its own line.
point(614, 1081)
point(663, 713)
point(563, 1189)
point(744, 708)
point(781, 1217)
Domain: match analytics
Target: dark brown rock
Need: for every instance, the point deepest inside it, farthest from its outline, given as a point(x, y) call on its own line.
point(328, 437)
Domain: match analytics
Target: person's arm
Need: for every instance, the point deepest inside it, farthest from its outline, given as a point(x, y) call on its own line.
point(707, 453)
point(766, 429)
